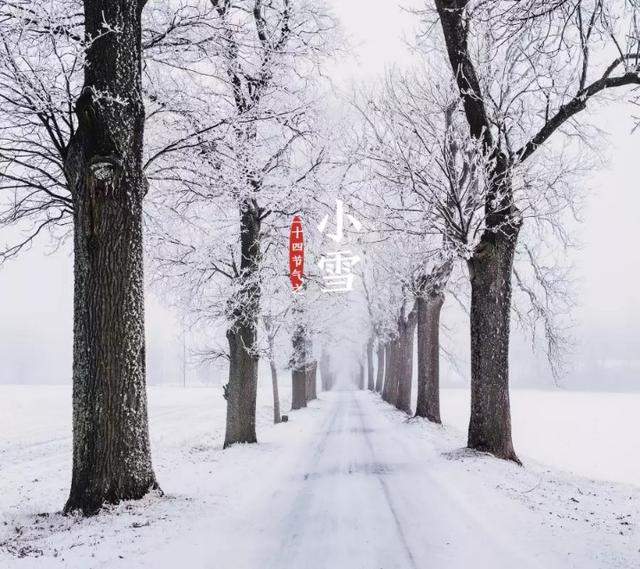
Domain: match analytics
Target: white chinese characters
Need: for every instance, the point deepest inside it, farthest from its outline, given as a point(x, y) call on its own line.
point(337, 267)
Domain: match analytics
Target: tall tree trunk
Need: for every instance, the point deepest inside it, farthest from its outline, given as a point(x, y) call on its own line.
point(325, 371)
point(490, 273)
point(380, 371)
point(271, 335)
point(274, 387)
point(428, 404)
point(389, 371)
point(312, 380)
point(111, 450)
point(491, 265)
point(405, 363)
point(370, 375)
point(240, 392)
point(396, 370)
point(299, 369)
point(361, 381)
point(298, 389)
point(242, 335)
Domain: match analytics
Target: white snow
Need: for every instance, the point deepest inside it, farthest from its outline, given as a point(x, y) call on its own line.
point(347, 483)
point(592, 434)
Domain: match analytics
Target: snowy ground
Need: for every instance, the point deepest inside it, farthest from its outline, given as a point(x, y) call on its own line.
point(348, 483)
point(596, 435)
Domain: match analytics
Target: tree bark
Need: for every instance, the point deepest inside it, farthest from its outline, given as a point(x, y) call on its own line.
point(389, 370)
point(111, 450)
point(298, 389)
point(240, 392)
point(299, 380)
point(242, 335)
point(490, 272)
point(312, 381)
point(380, 371)
point(361, 380)
point(492, 262)
point(326, 379)
point(428, 404)
point(406, 330)
point(370, 375)
point(277, 418)
point(392, 396)
point(271, 335)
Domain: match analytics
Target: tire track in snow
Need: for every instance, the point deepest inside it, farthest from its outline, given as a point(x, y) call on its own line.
point(385, 488)
point(342, 513)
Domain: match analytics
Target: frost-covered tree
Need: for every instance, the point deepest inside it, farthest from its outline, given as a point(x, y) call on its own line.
point(392, 264)
point(252, 174)
point(426, 191)
point(42, 59)
point(71, 136)
point(301, 363)
point(525, 71)
point(275, 311)
point(104, 170)
point(433, 181)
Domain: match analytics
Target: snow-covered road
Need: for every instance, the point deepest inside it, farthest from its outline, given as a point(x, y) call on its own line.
point(349, 483)
point(365, 497)
point(361, 487)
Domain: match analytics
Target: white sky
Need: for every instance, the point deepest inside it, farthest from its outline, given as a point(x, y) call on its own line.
point(36, 290)
point(376, 30)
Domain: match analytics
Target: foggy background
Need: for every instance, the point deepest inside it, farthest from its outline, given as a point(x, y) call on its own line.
point(36, 289)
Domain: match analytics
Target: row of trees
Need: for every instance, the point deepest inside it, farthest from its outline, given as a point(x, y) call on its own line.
point(466, 170)
point(202, 125)
point(211, 106)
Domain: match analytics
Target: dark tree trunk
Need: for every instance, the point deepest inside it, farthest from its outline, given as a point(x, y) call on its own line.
point(388, 369)
point(298, 389)
point(242, 335)
point(299, 380)
point(240, 392)
point(490, 273)
point(406, 330)
point(380, 371)
point(428, 404)
point(370, 375)
point(325, 371)
point(111, 451)
point(491, 265)
point(392, 396)
point(312, 380)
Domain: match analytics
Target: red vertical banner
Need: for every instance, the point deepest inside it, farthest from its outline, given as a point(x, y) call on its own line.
point(296, 253)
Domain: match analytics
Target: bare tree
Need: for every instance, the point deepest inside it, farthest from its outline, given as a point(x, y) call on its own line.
point(42, 58)
point(327, 377)
point(370, 369)
point(104, 169)
point(389, 283)
point(524, 71)
point(433, 184)
point(299, 367)
point(380, 365)
point(428, 193)
point(71, 138)
point(251, 173)
point(271, 332)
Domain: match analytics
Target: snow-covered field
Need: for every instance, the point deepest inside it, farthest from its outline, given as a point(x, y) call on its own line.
point(591, 434)
point(348, 483)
